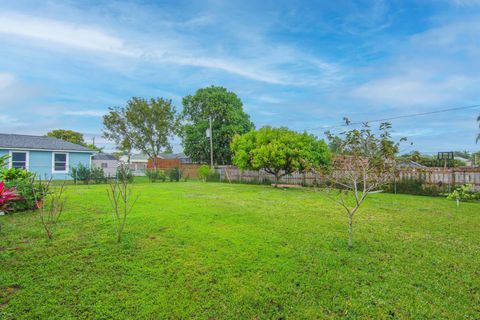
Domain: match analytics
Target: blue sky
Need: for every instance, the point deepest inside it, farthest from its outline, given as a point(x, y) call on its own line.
point(298, 64)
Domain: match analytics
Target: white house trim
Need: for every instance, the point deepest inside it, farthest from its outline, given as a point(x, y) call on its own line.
point(66, 164)
point(27, 158)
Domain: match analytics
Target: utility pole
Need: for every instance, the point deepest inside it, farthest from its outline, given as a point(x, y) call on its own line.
point(211, 142)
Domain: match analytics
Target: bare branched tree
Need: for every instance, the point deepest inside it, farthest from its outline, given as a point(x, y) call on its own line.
point(121, 198)
point(49, 202)
point(364, 163)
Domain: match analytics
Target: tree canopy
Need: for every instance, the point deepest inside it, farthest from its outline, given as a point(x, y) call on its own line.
point(67, 135)
point(279, 151)
point(73, 137)
point(116, 128)
point(145, 125)
point(228, 119)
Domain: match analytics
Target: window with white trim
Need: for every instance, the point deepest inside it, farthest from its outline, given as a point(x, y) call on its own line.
point(19, 160)
point(60, 162)
point(104, 165)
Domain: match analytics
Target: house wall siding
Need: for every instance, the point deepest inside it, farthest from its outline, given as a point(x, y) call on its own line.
point(110, 170)
point(40, 162)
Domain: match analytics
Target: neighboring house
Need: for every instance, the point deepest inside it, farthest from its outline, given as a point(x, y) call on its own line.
point(409, 164)
point(107, 162)
point(138, 163)
point(180, 156)
point(46, 156)
point(467, 162)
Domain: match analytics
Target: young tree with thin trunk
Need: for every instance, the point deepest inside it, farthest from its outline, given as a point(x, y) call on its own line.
point(122, 199)
point(49, 202)
point(364, 163)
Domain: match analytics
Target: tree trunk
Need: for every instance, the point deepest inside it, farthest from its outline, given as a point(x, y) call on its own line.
point(276, 179)
point(350, 231)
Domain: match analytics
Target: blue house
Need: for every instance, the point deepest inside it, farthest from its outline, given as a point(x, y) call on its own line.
point(46, 156)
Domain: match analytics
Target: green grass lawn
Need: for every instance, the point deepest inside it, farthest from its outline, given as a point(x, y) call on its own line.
point(220, 251)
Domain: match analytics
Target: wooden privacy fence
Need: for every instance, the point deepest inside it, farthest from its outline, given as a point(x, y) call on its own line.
point(164, 163)
point(429, 176)
point(439, 176)
point(189, 170)
point(234, 174)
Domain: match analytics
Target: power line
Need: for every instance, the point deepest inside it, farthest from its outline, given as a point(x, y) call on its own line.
point(368, 121)
point(398, 117)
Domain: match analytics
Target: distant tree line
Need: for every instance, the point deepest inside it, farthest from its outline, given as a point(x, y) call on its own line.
point(149, 125)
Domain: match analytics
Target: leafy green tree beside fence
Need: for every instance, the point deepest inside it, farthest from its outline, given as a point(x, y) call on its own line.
point(279, 151)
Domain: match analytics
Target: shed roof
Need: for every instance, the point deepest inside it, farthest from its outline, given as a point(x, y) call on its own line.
point(103, 156)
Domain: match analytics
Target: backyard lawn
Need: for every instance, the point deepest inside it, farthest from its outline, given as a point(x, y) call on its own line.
point(226, 251)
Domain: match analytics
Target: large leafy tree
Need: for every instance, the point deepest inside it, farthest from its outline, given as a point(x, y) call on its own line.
point(73, 137)
point(279, 151)
point(228, 119)
point(116, 128)
point(145, 125)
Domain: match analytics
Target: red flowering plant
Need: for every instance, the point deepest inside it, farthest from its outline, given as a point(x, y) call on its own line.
point(6, 195)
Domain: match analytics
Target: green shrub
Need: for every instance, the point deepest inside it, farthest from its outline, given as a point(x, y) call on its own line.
point(81, 173)
point(26, 187)
point(414, 186)
point(155, 174)
point(175, 174)
point(203, 172)
point(213, 176)
point(4, 160)
point(98, 175)
point(14, 173)
point(124, 174)
point(464, 193)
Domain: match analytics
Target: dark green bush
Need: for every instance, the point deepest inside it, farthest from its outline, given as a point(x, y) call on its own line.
point(414, 186)
point(213, 176)
point(81, 173)
point(98, 175)
point(175, 174)
point(124, 173)
point(155, 175)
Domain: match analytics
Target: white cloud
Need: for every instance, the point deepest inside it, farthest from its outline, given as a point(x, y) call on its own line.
point(63, 33)
point(86, 113)
point(269, 99)
point(412, 90)
point(8, 121)
point(434, 68)
point(7, 80)
point(12, 90)
point(276, 65)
